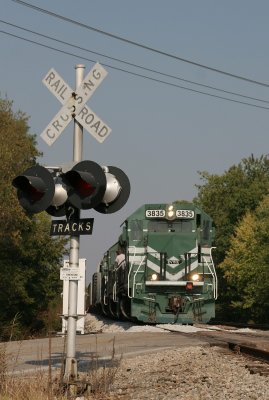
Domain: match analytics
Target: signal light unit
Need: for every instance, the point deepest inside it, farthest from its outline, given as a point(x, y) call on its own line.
point(86, 185)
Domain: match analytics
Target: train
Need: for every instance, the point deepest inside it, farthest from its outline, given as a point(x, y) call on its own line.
point(166, 272)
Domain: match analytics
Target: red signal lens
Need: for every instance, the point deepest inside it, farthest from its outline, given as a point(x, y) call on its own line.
point(34, 194)
point(84, 188)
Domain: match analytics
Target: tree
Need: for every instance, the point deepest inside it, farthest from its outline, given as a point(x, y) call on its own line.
point(29, 257)
point(246, 265)
point(227, 198)
point(17, 152)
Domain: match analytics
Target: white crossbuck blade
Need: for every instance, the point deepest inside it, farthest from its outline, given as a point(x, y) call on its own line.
point(74, 105)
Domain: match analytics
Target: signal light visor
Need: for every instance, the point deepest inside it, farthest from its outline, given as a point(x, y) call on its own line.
point(86, 184)
point(82, 182)
point(32, 186)
point(35, 189)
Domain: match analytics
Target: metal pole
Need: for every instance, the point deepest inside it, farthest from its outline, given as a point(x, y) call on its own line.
point(71, 362)
point(78, 130)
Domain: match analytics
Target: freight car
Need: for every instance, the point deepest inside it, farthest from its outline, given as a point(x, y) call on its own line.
point(166, 273)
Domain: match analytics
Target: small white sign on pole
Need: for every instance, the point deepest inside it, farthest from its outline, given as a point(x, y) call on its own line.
point(66, 274)
point(70, 274)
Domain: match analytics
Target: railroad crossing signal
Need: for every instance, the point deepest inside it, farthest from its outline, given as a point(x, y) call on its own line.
point(74, 105)
point(60, 191)
point(87, 185)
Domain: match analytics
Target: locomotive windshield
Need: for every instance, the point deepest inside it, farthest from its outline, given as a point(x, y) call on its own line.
point(168, 226)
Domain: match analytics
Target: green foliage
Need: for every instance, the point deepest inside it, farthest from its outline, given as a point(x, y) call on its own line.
point(17, 152)
point(228, 199)
point(29, 257)
point(246, 266)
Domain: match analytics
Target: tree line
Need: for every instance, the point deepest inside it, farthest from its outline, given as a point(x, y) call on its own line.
point(238, 202)
point(30, 260)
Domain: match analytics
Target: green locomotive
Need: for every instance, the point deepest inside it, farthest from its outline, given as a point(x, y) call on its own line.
point(166, 273)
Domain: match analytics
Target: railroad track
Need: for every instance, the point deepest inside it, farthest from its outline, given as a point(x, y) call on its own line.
point(257, 360)
point(239, 325)
point(246, 344)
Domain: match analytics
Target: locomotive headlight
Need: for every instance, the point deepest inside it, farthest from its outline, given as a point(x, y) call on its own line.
point(170, 212)
point(154, 277)
point(195, 277)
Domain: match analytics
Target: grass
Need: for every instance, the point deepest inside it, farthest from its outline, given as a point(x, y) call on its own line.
point(94, 383)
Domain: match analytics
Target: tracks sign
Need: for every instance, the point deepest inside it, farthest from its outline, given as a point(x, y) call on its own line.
point(83, 226)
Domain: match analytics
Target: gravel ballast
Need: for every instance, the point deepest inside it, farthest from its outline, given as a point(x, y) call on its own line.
point(194, 373)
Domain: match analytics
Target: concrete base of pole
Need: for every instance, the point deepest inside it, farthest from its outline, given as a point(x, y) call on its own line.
point(70, 370)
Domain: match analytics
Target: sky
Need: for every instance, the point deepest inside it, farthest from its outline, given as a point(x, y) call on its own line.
point(162, 134)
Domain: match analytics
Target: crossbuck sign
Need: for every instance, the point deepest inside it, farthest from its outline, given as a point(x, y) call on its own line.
point(74, 105)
